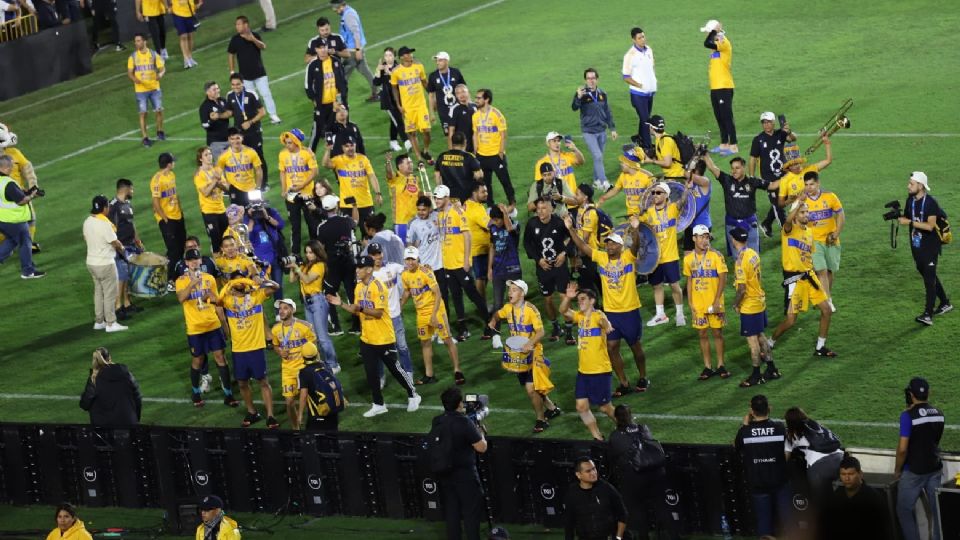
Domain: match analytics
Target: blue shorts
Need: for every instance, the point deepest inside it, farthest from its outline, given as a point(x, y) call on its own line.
point(627, 326)
point(250, 365)
point(184, 25)
point(525, 377)
point(123, 267)
point(594, 387)
point(207, 342)
point(154, 96)
point(480, 266)
point(401, 230)
point(668, 272)
point(753, 324)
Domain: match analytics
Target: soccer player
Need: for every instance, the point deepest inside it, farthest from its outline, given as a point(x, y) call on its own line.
point(326, 88)
point(242, 300)
point(378, 343)
point(424, 234)
point(721, 85)
point(154, 13)
point(356, 177)
point(751, 304)
point(700, 186)
point(561, 162)
point(791, 184)
point(827, 220)
point(618, 277)
point(666, 153)
point(803, 286)
point(167, 211)
point(457, 168)
point(490, 141)
point(197, 293)
point(593, 366)
point(529, 363)
point(409, 85)
point(547, 242)
point(298, 170)
point(418, 282)
point(241, 167)
point(289, 337)
point(767, 152)
point(706, 273)
point(662, 218)
point(440, 87)
point(185, 22)
point(230, 261)
point(145, 68)
point(633, 182)
point(639, 75)
point(211, 184)
point(595, 119)
point(404, 192)
point(478, 221)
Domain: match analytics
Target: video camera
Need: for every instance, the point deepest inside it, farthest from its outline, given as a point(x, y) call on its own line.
point(894, 212)
point(476, 407)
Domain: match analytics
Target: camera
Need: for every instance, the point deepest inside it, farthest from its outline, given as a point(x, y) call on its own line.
point(476, 407)
point(291, 259)
point(35, 190)
point(894, 212)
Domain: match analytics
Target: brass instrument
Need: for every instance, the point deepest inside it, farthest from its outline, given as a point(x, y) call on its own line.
point(424, 177)
point(838, 121)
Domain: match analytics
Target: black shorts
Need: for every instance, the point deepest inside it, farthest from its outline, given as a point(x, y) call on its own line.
point(553, 280)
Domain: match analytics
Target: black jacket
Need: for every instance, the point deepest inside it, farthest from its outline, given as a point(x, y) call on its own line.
point(340, 134)
point(387, 103)
point(115, 400)
point(313, 81)
point(593, 513)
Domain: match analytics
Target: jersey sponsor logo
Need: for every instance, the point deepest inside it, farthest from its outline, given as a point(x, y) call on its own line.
point(351, 174)
point(799, 244)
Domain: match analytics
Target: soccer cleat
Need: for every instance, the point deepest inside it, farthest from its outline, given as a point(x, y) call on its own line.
point(197, 400)
point(540, 426)
point(99, 326)
point(35, 248)
point(825, 352)
point(272, 423)
point(706, 374)
point(946, 307)
point(643, 384)
point(722, 372)
point(36, 274)
point(557, 332)
point(681, 320)
point(395, 146)
point(754, 380)
point(147, 143)
point(375, 410)
point(250, 419)
point(658, 320)
point(413, 403)
point(550, 415)
point(115, 327)
point(161, 136)
point(274, 119)
point(427, 379)
point(622, 390)
point(205, 383)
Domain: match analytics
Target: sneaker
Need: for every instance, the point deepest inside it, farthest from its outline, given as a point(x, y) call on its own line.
point(375, 410)
point(550, 415)
point(944, 308)
point(251, 418)
point(197, 400)
point(643, 384)
point(147, 143)
point(463, 335)
point(540, 426)
point(557, 332)
point(658, 320)
point(722, 372)
point(194, 63)
point(771, 373)
point(355, 329)
point(925, 318)
point(163, 54)
point(622, 390)
point(274, 119)
point(336, 369)
point(407, 146)
point(272, 423)
point(374, 98)
point(681, 320)
point(171, 287)
point(187, 65)
point(264, 29)
point(766, 229)
point(161, 136)
point(718, 150)
point(336, 331)
point(231, 401)
point(570, 340)
point(99, 326)
point(706, 374)
point(115, 327)
point(753, 380)
point(395, 146)
point(205, 382)
point(35, 248)
point(825, 352)
point(414, 403)
point(36, 274)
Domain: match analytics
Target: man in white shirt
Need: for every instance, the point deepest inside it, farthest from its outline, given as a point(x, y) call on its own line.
point(389, 274)
point(640, 76)
point(102, 249)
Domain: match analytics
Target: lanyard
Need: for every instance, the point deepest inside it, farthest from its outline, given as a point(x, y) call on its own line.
point(699, 262)
point(556, 164)
point(913, 208)
point(243, 110)
point(285, 339)
point(446, 82)
point(513, 317)
point(237, 161)
point(585, 323)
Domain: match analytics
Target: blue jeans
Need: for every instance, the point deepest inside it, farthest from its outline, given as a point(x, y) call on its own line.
point(908, 491)
point(753, 233)
point(766, 504)
point(17, 236)
point(643, 105)
point(317, 310)
point(403, 351)
point(596, 142)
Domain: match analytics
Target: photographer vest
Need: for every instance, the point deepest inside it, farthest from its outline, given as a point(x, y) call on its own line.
point(923, 450)
point(10, 211)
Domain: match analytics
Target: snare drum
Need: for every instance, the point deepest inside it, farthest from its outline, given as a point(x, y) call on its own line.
point(148, 275)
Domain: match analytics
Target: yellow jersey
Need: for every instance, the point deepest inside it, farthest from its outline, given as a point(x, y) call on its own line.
point(245, 317)
point(315, 286)
point(240, 263)
point(240, 168)
point(791, 184)
point(588, 220)
point(152, 8)
point(705, 272)
point(296, 167)
point(410, 85)
point(478, 221)
point(453, 223)
point(213, 203)
point(199, 321)
point(748, 275)
point(632, 185)
point(20, 161)
point(591, 343)
point(163, 186)
point(374, 331)
point(291, 339)
point(489, 127)
point(183, 8)
point(823, 212)
point(666, 146)
point(664, 224)
point(329, 93)
point(618, 279)
point(562, 166)
point(797, 249)
point(404, 192)
point(523, 320)
point(420, 284)
point(718, 70)
point(146, 67)
point(354, 175)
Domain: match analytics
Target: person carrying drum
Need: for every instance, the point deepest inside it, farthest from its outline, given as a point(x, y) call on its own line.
point(662, 216)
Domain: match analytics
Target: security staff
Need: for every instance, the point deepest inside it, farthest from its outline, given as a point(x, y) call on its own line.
point(342, 130)
point(593, 508)
point(247, 114)
point(921, 213)
point(918, 467)
point(336, 234)
point(14, 216)
point(760, 445)
point(216, 525)
point(457, 168)
point(460, 486)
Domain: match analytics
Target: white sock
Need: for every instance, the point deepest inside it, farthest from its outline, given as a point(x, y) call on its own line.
point(660, 310)
point(679, 311)
point(821, 341)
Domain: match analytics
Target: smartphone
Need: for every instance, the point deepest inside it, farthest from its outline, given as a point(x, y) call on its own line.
point(783, 120)
point(350, 201)
point(568, 138)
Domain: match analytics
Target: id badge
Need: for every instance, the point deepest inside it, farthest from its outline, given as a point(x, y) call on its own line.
point(915, 239)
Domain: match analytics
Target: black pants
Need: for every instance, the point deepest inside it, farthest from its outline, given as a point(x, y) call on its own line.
point(215, 224)
point(643, 492)
point(363, 214)
point(462, 502)
point(927, 266)
point(373, 356)
point(494, 165)
point(295, 210)
point(323, 116)
point(397, 132)
point(643, 105)
point(459, 282)
point(254, 139)
point(174, 235)
point(775, 212)
point(722, 101)
point(238, 197)
point(323, 423)
point(343, 274)
point(102, 11)
point(589, 277)
point(158, 32)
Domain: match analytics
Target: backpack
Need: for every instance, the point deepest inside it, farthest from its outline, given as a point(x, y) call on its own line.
point(943, 228)
point(685, 145)
point(820, 438)
point(604, 224)
point(647, 452)
point(328, 393)
point(440, 445)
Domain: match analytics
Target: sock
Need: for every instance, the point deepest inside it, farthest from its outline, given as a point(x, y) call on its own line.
point(771, 342)
point(821, 341)
point(204, 366)
point(225, 380)
point(679, 311)
point(660, 310)
point(195, 380)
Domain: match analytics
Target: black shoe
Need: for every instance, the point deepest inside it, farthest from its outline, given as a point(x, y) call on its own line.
point(643, 384)
point(540, 426)
point(487, 333)
point(426, 157)
point(946, 307)
point(35, 248)
point(771, 373)
point(550, 415)
point(355, 329)
point(251, 418)
point(161, 136)
point(133, 308)
point(462, 333)
point(123, 314)
point(36, 274)
point(722, 372)
point(557, 332)
point(570, 340)
point(824, 351)
point(426, 380)
point(265, 29)
point(706, 374)
point(230, 401)
point(335, 331)
point(766, 229)
point(119, 47)
point(459, 378)
point(754, 380)
point(272, 423)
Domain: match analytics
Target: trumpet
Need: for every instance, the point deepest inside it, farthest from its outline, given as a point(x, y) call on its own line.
point(424, 177)
point(838, 121)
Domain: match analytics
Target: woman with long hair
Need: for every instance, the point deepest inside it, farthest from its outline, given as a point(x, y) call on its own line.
point(211, 184)
point(382, 77)
point(310, 275)
point(823, 464)
point(69, 526)
point(112, 395)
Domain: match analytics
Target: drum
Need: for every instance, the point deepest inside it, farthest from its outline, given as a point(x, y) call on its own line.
point(148, 275)
point(647, 252)
point(689, 211)
point(513, 360)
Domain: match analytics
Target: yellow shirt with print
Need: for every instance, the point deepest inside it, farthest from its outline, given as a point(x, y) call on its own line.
point(291, 339)
point(146, 67)
point(591, 344)
point(329, 93)
point(632, 185)
point(666, 146)
point(522, 321)
point(404, 192)
point(664, 225)
point(822, 213)
point(296, 167)
point(748, 275)
point(588, 220)
point(420, 284)
point(245, 317)
point(409, 83)
point(199, 321)
point(705, 271)
point(797, 249)
point(453, 223)
point(213, 203)
point(163, 186)
point(618, 280)
point(791, 184)
point(240, 263)
point(19, 162)
point(478, 221)
point(489, 127)
point(375, 331)
point(354, 175)
point(718, 70)
point(152, 8)
point(563, 167)
point(183, 8)
point(315, 286)
point(240, 168)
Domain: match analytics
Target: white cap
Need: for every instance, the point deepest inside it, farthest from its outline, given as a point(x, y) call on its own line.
point(711, 25)
point(287, 301)
point(920, 178)
point(519, 283)
point(442, 55)
point(768, 116)
point(441, 192)
point(411, 253)
point(699, 230)
point(553, 135)
point(615, 238)
point(330, 202)
point(664, 187)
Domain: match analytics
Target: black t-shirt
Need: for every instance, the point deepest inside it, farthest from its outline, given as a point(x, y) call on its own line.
point(335, 234)
point(249, 60)
point(769, 149)
point(461, 119)
point(921, 210)
point(245, 106)
point(593, 513)
point(464, 435)
point(739, 198)
point(216, 129)
point(121, 215)
point(761, 447)
point(864, 515)
point(456, 169)
point(442, 86)
point(546, 240)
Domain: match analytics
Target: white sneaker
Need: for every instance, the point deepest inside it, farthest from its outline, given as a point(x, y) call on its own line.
point(414, 403)
point(163, 54)
point(658, 320)
point(99, 326)
point(407, 145)
point(681, 320)
point(336, 369)
point(375, 410)
point(833, 309)
point(115, 327)
point(274, 119)
point(205, 381)
point(395, 146)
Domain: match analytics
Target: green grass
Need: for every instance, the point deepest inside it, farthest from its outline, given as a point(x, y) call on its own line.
point(800, 62)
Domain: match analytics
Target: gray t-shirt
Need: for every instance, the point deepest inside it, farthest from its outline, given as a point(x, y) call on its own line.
point(425, 234)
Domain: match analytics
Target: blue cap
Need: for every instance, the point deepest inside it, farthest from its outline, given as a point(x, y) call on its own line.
point(298, 134)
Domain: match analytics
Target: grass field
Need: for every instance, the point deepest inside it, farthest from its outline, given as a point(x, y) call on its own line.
point(895, 60)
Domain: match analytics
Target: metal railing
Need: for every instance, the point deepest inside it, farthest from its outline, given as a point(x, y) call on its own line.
point(18, 27)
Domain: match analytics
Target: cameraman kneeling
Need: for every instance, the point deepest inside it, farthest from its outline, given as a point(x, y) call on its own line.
point(457, 472)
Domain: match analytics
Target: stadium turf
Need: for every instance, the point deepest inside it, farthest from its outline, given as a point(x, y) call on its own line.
point(81, 136)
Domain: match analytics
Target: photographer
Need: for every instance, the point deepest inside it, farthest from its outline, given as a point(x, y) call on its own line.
point(918, 467)
point(14, 218)
point(112, 395)
point(338, 239)
point(460, 482)
point(921, 212)
point(266, 238)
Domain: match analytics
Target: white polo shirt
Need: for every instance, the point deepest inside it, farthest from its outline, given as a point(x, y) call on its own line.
point(98, 234)
point(638, 65)
point(389, 274)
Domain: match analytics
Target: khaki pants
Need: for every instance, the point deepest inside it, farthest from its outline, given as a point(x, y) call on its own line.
point(105, 289)
point(268, 14)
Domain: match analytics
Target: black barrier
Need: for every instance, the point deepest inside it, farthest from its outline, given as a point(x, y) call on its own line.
point(43, 59)
point(129, 25)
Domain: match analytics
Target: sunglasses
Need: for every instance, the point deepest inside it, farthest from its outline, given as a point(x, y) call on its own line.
point(659, 192)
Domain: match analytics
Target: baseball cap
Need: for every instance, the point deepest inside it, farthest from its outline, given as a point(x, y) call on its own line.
point(664, 187)
point(699, 230)
point(711, 25)
point(615, 238)
point(545, 167)
point(374, 247)
point(442, 55)
point(192, 254)
point(210, 502)
point(99, 203)
point(411, 253)
point(519, 283)
point(349, 140)
point(656, 121)
point(309, 350)
point(365, 261)
point(739, 234)
point(441, 192)
point(498, 533)
point(768, 117)
point(329, 202)
point(553, 135)
point(287, 301)
point(405, 50)
point(919, 387)
point(920, 178)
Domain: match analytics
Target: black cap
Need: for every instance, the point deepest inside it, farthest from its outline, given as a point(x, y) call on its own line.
point(545, 167)
point(337, 2)
point(374, 247)
point(365, 261)
point(99, 203)
point(919, 387)
point(192, 254)
point(656, 121)
point(405, 50)
point(739, 234)
point(586, 189)
point(349, 140)
point(210, 502)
